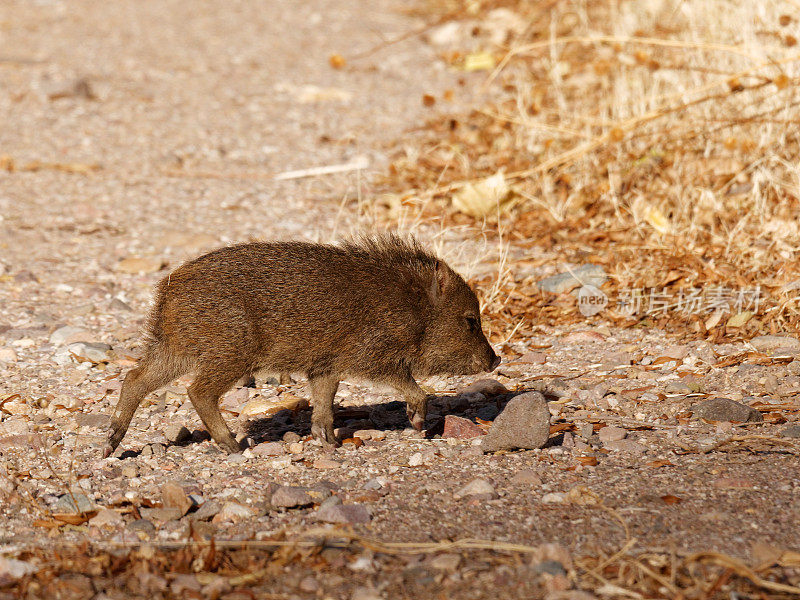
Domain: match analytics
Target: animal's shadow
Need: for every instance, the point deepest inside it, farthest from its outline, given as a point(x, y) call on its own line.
point(384, 416)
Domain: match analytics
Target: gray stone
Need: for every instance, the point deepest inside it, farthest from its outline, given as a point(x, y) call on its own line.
point(792, 431)
point(207, 511)
point(524, 423)
point(66, 504)
point(344, 513)
point(725, 409)
point(564, 282)
point(330, 501)
point(142, 526)
point(290, 497)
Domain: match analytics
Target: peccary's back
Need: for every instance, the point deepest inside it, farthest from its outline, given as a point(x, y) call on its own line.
point(295, 306)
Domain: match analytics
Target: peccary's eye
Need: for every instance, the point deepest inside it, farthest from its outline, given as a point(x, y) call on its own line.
point(472, 323)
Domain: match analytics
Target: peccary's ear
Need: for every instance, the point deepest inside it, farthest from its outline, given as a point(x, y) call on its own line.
point(441, 278)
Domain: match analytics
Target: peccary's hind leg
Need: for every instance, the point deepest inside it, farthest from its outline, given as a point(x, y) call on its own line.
point(210, 383)
point(323, 390)
point(156, 369)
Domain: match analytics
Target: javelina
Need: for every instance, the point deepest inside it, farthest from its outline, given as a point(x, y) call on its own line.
point(380, 308)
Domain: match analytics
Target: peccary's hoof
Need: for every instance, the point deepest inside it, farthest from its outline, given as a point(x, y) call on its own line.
point(417, 420)
point(324, 434)
point(108, 449)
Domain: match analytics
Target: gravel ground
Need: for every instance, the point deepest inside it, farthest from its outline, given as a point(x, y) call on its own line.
point(138, 134)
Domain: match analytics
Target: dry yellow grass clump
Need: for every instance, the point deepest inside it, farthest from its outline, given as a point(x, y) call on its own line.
point(658, 138)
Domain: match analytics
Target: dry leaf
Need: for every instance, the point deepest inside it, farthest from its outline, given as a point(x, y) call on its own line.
point(654, 464)
point(356, 441)
point(740, 319)
point(587, 461)
point(337, 61)
point(670, 499)
point(483, 198)
point(657, 220)
point(428, 100)
point(479, 61)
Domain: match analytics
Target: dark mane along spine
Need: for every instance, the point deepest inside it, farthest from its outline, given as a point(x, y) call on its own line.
point(392, 249)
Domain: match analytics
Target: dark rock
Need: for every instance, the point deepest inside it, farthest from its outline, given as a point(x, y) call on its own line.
point(725, 409)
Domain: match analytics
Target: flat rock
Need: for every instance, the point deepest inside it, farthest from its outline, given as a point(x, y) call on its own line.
point(268, 449)
point(476, 487)
point(68, 335)
point(533, 358)
point(160, 515)
point(95, 420)
point(611, 434)
point(584, 337)
point(628, 446)
point(487, 387)
point(326, 463)
point(344, 513)
point(460, 428)
point(524, 423)
point(96, 352)
point(526, 477)
point(725, 409)
point(770, 343)
point(290, 497)
point(567, 281)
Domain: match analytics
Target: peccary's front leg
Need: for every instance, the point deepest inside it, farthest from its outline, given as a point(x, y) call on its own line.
point(416, 400)
point(323, 390)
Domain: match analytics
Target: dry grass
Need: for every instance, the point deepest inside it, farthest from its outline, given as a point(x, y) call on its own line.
point(658, 138)
point(260, 566)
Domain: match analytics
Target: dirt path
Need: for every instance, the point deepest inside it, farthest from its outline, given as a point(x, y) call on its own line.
point(138, 134)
